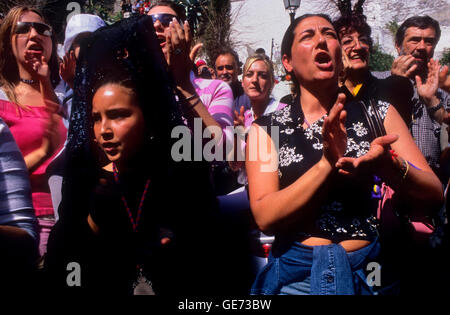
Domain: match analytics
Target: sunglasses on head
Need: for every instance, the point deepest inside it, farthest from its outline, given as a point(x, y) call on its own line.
point(228, 67)
point(164, 18)
point(41, 28)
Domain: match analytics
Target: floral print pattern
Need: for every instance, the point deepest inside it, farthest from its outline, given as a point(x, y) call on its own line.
point(301, 148)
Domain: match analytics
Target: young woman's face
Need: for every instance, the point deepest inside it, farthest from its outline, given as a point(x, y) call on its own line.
point(162, 15)
point(118, 122)
point(315, 51)
point(257, 82)
point(356, 47)
point(31, 42)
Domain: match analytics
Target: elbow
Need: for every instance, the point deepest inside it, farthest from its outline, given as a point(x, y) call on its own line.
point(264, 223)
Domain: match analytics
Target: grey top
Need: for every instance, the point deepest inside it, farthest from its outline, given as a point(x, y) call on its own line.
point(16, 208)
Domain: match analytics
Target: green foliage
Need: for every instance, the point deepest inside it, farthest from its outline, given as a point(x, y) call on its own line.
point(380, 61)
point(215, 30)
point(195, 12)
point(392, 26)
point(445, 59)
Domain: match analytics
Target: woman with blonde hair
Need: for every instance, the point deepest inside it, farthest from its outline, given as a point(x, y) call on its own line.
point(28, 103)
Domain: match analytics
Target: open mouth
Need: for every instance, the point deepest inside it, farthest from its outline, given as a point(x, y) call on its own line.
point(110, 147)
point(323, 61)
point(35, 48)
point(162, 40)
point(358, 57)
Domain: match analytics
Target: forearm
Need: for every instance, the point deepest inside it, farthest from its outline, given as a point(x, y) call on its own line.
point(421, 189)
point(433, 103)
point(47, 91)
point(285, 207)
point(34, 159)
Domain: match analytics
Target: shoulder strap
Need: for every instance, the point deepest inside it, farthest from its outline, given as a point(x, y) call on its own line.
point(375, 123)
point(378, 122)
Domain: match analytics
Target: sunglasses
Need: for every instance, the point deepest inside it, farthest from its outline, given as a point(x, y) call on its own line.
point(228, 67)
point(41, 28)
point(164, 18)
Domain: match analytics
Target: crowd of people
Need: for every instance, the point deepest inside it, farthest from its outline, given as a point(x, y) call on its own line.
point(97, 194)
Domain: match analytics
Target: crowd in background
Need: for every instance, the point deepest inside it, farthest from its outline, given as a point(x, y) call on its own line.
point(304, 192)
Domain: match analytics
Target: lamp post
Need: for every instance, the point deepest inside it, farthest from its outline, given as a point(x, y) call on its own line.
point(292, 6)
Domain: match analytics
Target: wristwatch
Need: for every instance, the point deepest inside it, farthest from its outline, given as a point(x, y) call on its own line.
point(435, 108)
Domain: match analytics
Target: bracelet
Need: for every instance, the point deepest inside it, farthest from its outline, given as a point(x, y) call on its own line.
point(404, 169)
point(191, 106)
point(435, 108)
point(188, 98)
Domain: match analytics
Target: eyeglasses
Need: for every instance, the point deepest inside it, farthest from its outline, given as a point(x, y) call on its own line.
point(164, 18)
point(350, 41)
point(228, 67)
point(41, 28)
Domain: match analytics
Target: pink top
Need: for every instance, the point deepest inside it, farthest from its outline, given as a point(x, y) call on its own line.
point(28, 128)
point(217, 97)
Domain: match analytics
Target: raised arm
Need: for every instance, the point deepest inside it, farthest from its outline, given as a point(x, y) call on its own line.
point(415, 180)
point(274, 208)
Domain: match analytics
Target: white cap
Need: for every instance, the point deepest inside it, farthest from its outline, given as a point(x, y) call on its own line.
point(81, 23)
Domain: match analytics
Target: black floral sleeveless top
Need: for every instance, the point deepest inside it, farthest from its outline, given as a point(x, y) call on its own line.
point(348, 209)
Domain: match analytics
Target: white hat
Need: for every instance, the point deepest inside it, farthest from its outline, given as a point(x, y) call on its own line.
point(81, 23)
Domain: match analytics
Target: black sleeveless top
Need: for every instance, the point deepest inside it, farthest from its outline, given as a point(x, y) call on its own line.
point(348, 211)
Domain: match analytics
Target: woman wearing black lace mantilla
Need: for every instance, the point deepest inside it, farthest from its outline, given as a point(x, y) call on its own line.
point(310, 171)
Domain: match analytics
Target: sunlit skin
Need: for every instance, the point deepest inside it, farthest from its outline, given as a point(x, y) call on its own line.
point(257, 82)
point(315, 52)
point(419, 43)
point(31, 44)
point(356, 47)
point(118, 123)
point(160, 30)
point(227, 75)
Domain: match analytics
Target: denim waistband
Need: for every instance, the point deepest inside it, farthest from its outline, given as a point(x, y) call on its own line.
point(331, 268)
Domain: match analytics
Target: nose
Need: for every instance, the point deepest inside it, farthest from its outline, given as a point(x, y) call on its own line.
point(321, 41)
point(158, 26)
point(421, 44)
point(33, 32)
point(105, 130)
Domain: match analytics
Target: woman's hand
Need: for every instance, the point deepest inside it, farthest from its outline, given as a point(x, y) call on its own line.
point(67, 68)
point(178, 55)
point(38, 66)
point(239, 119)
point(51, 139)
point(378, 158)
point(334, 133)
point(347, 66)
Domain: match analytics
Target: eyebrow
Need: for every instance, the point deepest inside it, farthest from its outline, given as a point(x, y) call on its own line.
point(322, 29)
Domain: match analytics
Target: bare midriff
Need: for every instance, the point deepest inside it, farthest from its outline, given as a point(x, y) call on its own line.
point(348, 245)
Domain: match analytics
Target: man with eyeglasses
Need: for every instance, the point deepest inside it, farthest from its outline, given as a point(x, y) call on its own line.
point(227, 70)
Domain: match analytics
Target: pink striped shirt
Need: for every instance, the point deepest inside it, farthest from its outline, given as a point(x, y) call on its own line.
point(217, 97)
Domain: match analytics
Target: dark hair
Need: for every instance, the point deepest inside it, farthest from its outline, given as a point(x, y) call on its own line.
point(179, 9)
point(289, 36)
point(354, 22)
point(421, 22)
point(227, 51)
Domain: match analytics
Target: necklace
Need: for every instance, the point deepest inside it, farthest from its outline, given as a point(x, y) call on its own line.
point(27, 81)
point(134, 223)
point(141, 286)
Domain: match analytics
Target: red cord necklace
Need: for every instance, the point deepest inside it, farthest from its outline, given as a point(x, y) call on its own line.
point(134, 223)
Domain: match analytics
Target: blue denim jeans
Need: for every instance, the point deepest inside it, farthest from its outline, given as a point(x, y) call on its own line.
point(327, 269)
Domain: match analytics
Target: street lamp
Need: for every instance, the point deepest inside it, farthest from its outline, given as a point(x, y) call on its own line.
point(292, 6)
